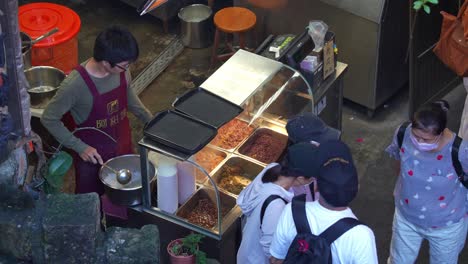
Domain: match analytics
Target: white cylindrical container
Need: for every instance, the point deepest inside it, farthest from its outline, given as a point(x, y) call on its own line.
point(186, 180)
point(167, 184)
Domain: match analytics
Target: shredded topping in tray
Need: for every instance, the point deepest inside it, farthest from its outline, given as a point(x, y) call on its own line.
point(208, 159)
point(265, 148)
point(205, 214)
point(232, 133)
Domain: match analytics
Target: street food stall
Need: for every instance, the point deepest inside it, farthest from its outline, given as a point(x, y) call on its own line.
point(223, 134)
point(255, 96)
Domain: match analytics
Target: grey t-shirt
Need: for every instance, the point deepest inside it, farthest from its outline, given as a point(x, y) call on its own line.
point(428, 192)
point(75, 96)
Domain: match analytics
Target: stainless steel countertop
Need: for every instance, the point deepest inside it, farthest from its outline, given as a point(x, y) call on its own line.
point(238, 78)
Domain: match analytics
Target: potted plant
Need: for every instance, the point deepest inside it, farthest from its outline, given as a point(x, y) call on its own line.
point(186, 250)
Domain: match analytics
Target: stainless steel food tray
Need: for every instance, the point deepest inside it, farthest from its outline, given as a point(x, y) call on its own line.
point(251, 169)
point(229, 211)
point(255, 125)
point(250, 140)
point(200, 176)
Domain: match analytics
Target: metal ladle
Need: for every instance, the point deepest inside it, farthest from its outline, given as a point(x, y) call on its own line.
point(32, 42)
point(123, 176)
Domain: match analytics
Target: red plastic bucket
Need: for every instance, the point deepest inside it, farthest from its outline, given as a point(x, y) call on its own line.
point(59, 50)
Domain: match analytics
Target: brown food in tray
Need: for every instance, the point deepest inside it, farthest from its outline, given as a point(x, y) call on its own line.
point(232, 133)
point(234, 183)
point(265, 148)
point(205, 214)
point(208, 159)
point(232, 179)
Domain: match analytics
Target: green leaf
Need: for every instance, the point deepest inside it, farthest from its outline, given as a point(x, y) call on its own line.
point(417, 5)
point(435, 2)
point(427, 9)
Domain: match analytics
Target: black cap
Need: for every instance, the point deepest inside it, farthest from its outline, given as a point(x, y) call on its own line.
point(337, 179)
point(302, 160)
point(307, 127)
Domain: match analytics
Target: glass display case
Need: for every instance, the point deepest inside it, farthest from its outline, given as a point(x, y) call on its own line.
point(269, 93)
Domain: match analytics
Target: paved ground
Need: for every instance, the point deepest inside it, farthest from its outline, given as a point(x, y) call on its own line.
point(366, 137)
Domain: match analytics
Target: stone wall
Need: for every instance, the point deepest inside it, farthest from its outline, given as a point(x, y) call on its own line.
point(66, 229)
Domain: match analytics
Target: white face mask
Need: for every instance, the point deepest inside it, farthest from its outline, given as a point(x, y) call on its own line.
point(424, 146)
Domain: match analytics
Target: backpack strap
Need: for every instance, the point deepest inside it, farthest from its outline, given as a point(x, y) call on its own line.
point(265, 204)
point(401, 133)
point(339, 228)
point(299, 214)
point(456, 162)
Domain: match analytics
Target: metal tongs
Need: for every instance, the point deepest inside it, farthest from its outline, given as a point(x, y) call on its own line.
point(149, 5)
point(41, 37)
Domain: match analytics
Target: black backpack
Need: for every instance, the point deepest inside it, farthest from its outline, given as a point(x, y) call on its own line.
point(265, 204)
point(462, 176)
point(308, 248)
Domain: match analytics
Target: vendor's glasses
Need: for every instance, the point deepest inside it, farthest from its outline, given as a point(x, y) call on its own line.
point(123, 67)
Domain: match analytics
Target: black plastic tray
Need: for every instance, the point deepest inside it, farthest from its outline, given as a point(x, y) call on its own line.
point(179, 131)
point(207, 107)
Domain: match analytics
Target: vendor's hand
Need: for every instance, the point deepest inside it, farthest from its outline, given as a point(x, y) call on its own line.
point(90, 154)
point(274, 260)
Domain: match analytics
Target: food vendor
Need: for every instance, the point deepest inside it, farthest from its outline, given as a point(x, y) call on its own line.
point(97, 95)
point(307, 127)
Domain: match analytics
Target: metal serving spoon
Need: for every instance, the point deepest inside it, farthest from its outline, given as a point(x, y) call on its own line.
point(123, 176)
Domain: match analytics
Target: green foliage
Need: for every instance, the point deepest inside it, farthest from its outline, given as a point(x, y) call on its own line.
point(424, 4)
point(190, 246)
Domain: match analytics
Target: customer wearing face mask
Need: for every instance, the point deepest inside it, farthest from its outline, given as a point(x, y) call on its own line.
point(264, 199)
point(430, 201)
point(309, 128)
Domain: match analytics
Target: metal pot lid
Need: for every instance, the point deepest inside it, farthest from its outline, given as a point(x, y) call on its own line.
point(130, 162)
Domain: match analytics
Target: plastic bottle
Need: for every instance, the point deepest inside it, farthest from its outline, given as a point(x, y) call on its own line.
point(167, 184)
point(186, 180)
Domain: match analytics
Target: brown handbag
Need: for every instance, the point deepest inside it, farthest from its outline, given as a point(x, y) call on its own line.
point(452, 47)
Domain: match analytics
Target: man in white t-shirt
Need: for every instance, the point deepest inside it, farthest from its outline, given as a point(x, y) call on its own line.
point(338, 185)
point(307, 127)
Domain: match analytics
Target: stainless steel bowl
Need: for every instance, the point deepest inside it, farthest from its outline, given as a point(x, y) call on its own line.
point(44, 82)
point(125, 194)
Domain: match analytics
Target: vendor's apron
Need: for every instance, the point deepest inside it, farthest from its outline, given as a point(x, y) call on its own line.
point(463, 132)
point(108, 114)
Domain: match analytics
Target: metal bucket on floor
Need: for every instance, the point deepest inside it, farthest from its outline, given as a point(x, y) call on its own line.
point(197, 26)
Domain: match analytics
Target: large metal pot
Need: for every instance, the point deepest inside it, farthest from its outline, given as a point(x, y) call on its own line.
point(44, 82)
point(26, 49)
point(197, 26)
point(128, 194)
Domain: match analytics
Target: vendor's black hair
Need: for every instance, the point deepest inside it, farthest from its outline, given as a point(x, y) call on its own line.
point(431, 117)
point(115, 44)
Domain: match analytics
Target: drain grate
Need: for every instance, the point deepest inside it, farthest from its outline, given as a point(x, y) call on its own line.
point(155, 68)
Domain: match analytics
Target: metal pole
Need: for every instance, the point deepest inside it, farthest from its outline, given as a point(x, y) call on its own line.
point(145, 183)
